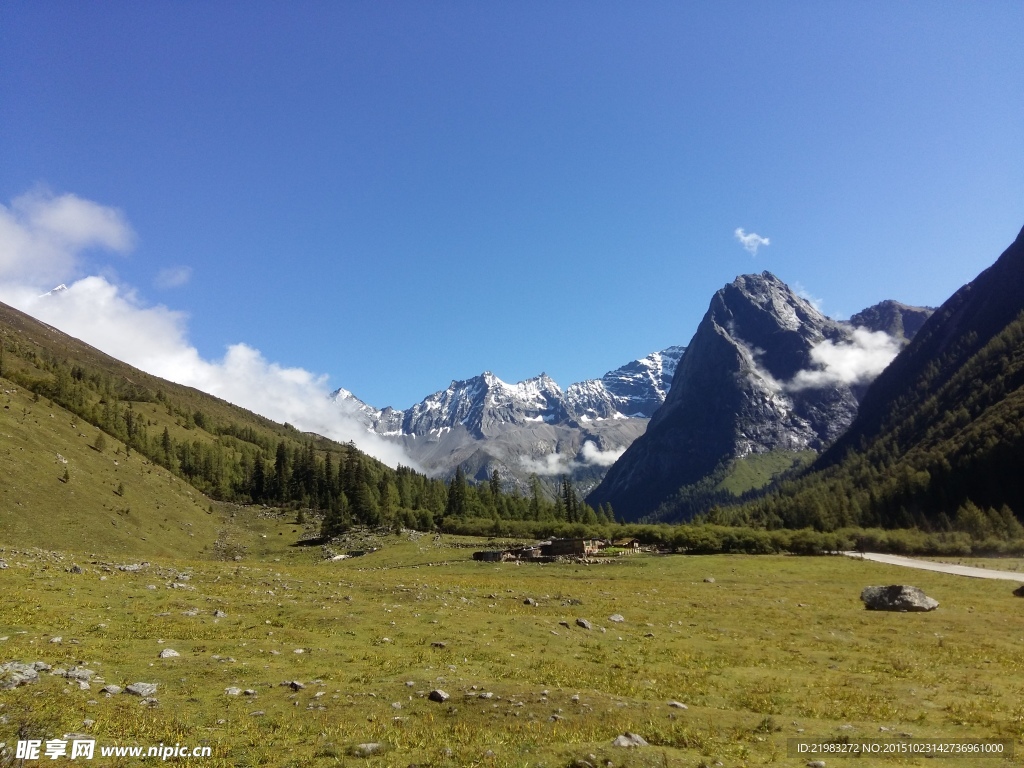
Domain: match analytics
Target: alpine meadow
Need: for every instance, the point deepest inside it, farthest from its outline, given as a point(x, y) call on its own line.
point(511, 385)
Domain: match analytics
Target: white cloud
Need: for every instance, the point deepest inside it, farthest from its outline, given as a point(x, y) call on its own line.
point(857, 361)
point(751, 242)
point(593, 455)
point(48, 234)
point(173, 277)
point(42, 235)
point(560, 464)
point(548, 465)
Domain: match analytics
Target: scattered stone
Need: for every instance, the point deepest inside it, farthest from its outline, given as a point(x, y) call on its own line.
point(365, 750)
point(1019, 591)
point(76, 568)
point(219, 614)
point(132, 568)
point(630, 740)
point(529, 601)
point(617, 618)
point(897, 597)
point(677, 705)
point(295, 685)
point(141, 689)
point(299, 650)
point(233, 691)
point(169, 653)
point(816, 764)
point(584, 624)
point(252, 692)
point(14, 674)
point(648, 634)
point(150, 701)
point(111, 690)
point(486, 695)
point(438, 695)
point(709, 580)
point(57, 640)
point(151, 586)
point(438, 645)
point(191, 612)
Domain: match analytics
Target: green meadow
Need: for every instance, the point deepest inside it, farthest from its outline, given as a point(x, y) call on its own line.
point(759, 649)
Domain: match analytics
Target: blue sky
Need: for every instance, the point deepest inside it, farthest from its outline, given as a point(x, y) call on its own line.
point(393, 195)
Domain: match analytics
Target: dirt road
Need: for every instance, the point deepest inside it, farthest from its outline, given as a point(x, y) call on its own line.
point(928, 565)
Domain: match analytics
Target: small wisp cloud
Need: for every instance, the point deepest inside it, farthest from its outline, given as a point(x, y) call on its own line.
point(751, 241)
point(42, 238)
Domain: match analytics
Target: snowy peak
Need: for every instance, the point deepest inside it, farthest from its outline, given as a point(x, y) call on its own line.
point(637, 388)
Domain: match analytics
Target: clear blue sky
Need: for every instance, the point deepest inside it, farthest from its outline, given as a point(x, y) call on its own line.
point(400, 193)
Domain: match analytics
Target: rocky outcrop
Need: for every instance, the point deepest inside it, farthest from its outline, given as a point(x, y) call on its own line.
point(897, 597)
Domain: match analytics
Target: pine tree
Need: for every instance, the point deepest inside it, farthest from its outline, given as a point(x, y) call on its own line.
point(456, 506)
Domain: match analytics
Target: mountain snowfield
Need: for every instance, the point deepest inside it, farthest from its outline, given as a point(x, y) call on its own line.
point(530, 427)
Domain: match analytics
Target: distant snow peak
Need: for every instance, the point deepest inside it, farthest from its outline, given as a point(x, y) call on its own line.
point(58, 290)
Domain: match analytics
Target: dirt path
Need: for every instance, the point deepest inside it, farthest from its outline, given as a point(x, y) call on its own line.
point(928, 565)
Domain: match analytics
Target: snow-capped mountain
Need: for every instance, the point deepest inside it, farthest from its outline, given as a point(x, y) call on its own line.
point(532, 426)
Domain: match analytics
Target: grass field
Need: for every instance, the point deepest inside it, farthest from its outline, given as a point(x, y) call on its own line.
point(772, 648)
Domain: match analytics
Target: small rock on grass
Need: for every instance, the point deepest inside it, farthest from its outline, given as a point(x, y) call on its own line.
point(617, 618)
point(816, 764)
point(677, 705)
point(233, 691)
point(438, 695)
point(365, 750)
point(630, 740)
point(169, 653)
point(584, 624)
point(141, 689)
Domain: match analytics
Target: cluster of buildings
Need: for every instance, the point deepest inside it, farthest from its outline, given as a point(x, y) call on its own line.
point(549, 551)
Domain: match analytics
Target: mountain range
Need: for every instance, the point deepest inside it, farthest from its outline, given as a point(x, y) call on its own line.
point(484, 424)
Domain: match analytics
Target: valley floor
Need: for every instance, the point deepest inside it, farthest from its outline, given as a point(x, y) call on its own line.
point(290, 660)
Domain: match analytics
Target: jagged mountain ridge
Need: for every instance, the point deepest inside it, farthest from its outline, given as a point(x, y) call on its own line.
point(735, 392)
point(484, 423)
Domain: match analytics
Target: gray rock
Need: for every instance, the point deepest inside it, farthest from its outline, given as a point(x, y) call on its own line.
point(79, 673)
point(219, 614)
point(113, 690)
point(677, 705)
point(709, 580)
point(169, 653)
point(365, 750)
point(816, 764)
point(132, 568)
point(438, 695)
point(584, 624)
point(76, 568)
point(233, 691)
point(630, 740)
point(529, 601)
point(897, 597)
point(141, 689)
point(617, 618)
point(1019, 591)
point(14, 674)
point(295, 685)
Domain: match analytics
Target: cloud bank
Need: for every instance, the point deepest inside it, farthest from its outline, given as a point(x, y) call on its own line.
point(589, 455)
point(42, 238)
point(857, 361)
point(751, 242)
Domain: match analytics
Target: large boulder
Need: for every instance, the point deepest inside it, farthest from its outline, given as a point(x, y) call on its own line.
point(897, 597)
